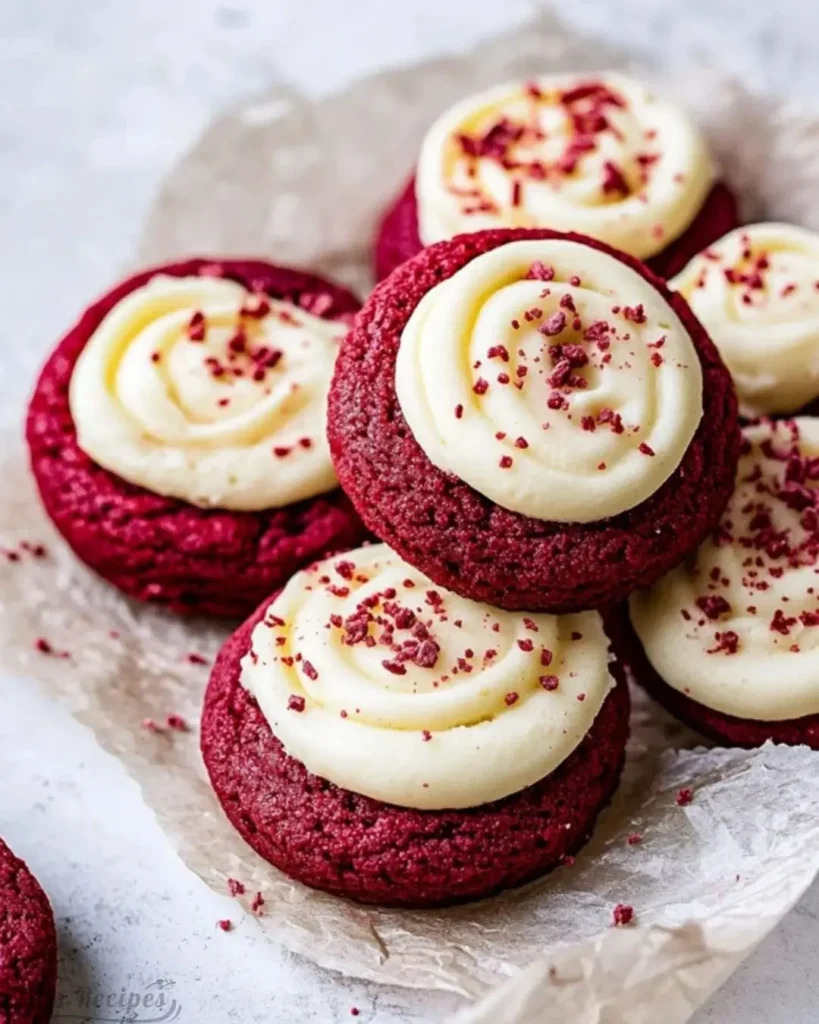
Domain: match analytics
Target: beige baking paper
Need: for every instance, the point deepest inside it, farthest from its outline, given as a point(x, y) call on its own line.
point(302, 182)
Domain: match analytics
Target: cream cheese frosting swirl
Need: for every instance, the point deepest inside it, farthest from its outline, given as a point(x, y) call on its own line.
point(736, 626)
point(552, 378)
point(756, 291)
point(196, 388)
point(603, 155)
point(390, 687)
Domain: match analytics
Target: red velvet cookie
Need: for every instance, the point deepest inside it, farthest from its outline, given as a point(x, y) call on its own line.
point(352, 845)
point(602, 155)
point(726, 730)
point(729, 640)
point(28, 945)
point(591, 344)
point(397, 238)
point(755, 292)
point(153, 545)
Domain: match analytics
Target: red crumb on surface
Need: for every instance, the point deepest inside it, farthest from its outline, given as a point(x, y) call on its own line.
point(225, 924)
point(684, 797)
point(622, 914)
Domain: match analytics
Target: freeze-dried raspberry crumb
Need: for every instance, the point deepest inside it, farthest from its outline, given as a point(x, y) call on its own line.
point(225, 924)
point(622, 914)
point(684, 797)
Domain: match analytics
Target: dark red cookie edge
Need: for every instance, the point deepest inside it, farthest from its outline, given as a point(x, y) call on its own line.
point(461, 539)
point(161, 549)
point(28, 945)
point(714, 725)
point(397, 237)
point(353, 846)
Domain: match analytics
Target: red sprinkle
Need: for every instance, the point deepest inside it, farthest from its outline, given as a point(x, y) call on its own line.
point(196, 326)
point(258, 902)
point(511, 698)
point(684, 797)
point(727, 642)
point(225, 924)
point(295, 702)
point(345, 569)
point(540, 272)
point(505, 461)
point(645, 448)
point(713, 606)
point(623, 914)
point(235, 887)
point(177, 723)
point(554, 325)
point(614, 180)
point(634, 839)
point(549, 682)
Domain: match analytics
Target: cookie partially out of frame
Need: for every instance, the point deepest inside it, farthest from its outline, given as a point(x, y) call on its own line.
point(729, 640)
point(28, 945)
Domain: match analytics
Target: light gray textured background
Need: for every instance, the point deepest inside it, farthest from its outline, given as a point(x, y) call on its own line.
point(97, 99)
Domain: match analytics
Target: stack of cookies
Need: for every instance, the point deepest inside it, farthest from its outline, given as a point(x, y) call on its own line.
point(462, 515)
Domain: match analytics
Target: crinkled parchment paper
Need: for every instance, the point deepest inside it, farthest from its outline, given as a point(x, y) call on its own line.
point(302, 183)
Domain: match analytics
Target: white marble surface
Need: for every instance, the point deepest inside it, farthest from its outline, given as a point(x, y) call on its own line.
point(96, 100)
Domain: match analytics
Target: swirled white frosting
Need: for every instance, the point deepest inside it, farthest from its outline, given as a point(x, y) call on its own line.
point(197, 389)
point(757, 293)
point(552, 378)
point(600, 154)
point(736, 626)
point(390, 687)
